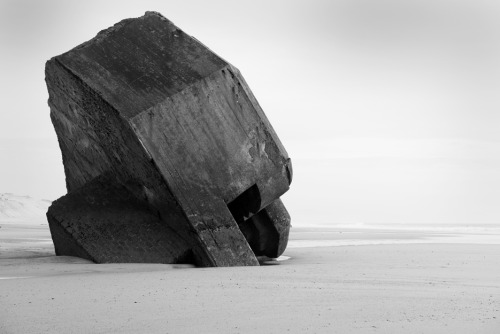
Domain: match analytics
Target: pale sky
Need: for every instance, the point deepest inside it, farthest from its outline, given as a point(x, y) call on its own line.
point(390, 110)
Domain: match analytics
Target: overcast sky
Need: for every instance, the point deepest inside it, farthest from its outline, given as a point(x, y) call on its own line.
point(389, 109)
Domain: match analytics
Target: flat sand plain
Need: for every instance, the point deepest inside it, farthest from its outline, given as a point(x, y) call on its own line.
point(363, 281)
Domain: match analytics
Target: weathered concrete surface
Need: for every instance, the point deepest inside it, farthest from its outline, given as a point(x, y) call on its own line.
point(151, 119)
point(102, 221)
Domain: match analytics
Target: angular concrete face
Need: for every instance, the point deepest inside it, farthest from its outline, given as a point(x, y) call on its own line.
point(151, 119)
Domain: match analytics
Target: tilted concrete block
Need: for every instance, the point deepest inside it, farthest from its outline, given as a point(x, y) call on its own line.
point(167, 154)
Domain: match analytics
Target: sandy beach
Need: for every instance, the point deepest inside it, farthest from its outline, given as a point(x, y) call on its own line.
point(365, 281)
point(150, 126)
